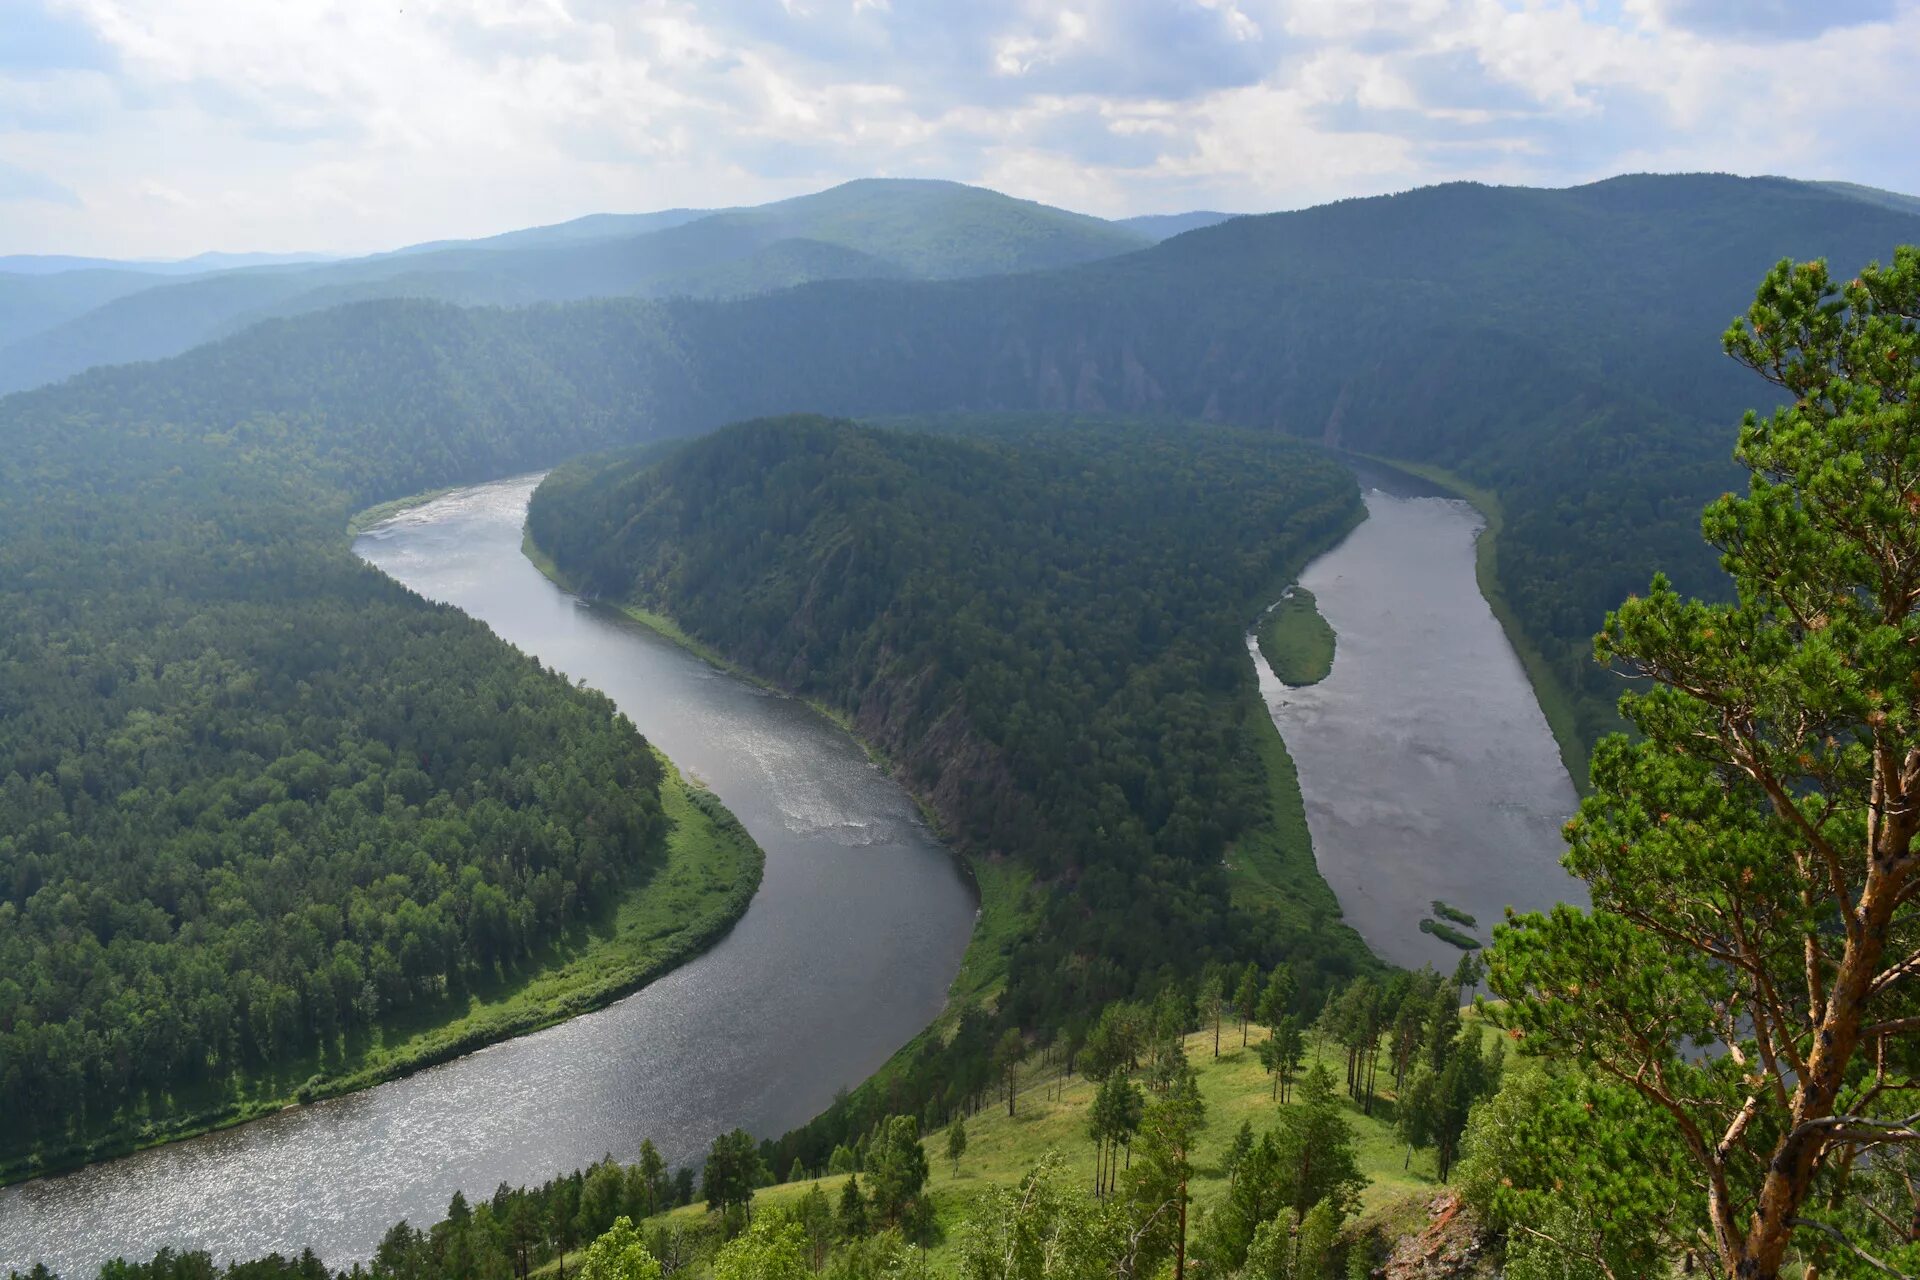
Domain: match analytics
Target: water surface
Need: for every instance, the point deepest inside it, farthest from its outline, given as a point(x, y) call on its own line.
point(1425, 761)
point(845, 954)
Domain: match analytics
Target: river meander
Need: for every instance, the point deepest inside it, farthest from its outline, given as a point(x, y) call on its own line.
point(1425, 761)
point(845, 954)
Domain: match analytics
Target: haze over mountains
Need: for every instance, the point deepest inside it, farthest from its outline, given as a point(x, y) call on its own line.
point(57, 319)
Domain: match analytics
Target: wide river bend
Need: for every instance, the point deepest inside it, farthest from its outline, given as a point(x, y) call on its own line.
point(1426, 764)
point(845, 954)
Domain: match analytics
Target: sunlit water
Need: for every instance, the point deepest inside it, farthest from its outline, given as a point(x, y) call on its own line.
point(1425, 761)
point(844, 955)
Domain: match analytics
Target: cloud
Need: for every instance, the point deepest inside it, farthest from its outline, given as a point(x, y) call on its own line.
point(335, 124)
point(22, 184)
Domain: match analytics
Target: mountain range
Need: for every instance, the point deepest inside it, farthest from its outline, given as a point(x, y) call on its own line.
point(61, 315)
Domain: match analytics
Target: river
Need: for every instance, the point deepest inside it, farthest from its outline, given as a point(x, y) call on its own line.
point(845, 954)
point(1426, 764)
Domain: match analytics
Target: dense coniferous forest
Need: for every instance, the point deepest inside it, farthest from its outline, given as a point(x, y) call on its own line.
point(256, 800)
point(1041, 623)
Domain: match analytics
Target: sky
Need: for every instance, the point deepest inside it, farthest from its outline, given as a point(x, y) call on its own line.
point(163, 128)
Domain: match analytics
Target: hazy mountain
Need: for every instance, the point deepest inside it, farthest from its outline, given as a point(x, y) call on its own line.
point(1163, 226)
point(42, 264)
point(1874, 195)
point(876, 228)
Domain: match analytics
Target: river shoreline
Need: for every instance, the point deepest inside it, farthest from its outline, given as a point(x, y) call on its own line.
point(758, 1029)
point(476, 1030)
point(1427, 763)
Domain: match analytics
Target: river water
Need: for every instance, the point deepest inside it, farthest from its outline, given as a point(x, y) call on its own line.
point(1425, 761)
point(845, 954)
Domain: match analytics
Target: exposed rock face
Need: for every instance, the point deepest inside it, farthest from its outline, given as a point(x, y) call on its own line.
point(1450, 1248)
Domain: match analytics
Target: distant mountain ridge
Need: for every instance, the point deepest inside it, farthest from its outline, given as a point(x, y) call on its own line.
point(869, 228)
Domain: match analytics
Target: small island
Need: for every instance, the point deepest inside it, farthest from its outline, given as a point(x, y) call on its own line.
point(1296, 641)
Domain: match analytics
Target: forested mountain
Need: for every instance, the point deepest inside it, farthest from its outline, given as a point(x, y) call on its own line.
point(1164, 226)
point(870, 228)
point(1041, 626)
point(1041, 623)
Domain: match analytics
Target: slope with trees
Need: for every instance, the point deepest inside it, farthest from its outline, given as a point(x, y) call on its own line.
point(1038, 623)
point(270, 825)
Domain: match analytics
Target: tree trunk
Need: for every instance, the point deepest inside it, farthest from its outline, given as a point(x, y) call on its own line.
point(1180, 1241)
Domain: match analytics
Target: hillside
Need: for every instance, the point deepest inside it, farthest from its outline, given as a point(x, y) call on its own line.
point(956, 597)
point(874, 228)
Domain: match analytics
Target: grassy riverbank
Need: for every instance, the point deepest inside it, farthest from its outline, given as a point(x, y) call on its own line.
point(709, 873)
point(1296, 641)
point(1556, 702)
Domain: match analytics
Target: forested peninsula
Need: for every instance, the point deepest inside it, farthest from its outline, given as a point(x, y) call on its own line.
point(1039, 623)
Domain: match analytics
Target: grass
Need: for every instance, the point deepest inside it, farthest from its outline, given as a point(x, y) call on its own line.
point(1271, 867)
point(1555, 700)
point(1050, 1115)
point(361, 521)
point(693, 896)
point(1296, 641)
point(1447, 911)
point(1448, 934)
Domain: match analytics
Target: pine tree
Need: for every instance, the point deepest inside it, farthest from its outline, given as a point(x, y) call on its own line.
point(1748, 969)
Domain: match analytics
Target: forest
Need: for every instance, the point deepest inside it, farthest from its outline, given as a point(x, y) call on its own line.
point(1040, 623)
point(257, 802)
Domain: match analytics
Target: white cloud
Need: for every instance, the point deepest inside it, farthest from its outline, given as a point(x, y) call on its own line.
point(344, 125)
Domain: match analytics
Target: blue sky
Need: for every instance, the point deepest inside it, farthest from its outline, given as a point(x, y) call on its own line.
point(168, 127)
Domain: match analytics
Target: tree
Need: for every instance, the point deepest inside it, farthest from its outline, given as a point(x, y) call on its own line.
point(1315, 1142)
point(1168, 1131)
point(1006, 1063)
point(852, 1210)
point(1237, 1151)
point(1111, 1123)
point(619, 1254)
point(814, 1214)
point(1042, 1230)
point(1281, 1054)
point(770, 1251)
point(1752, 855)
point(956, 1143)
point(1299, 1249)
point(1255, 1195)
point(732, 1171)
point(1213, 1001)
point(1246, 998)
point(1467, 974)
point(896, 1169)
point(1414, 1117)
point(648, 1187)
point(1276, 998)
